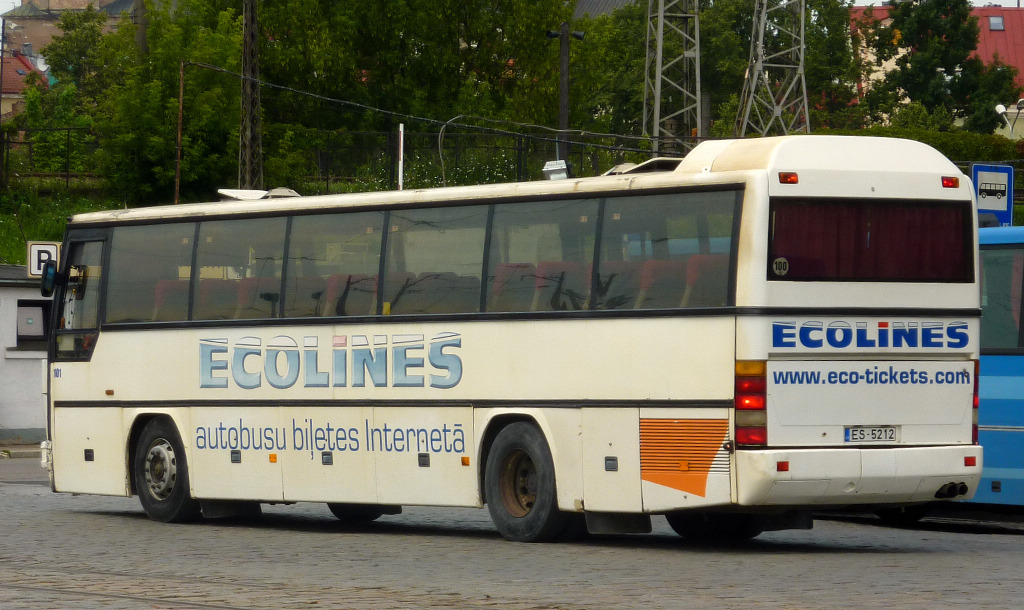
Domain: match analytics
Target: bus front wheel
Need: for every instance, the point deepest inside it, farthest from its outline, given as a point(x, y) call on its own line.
point(519, 486)
point(161, 474)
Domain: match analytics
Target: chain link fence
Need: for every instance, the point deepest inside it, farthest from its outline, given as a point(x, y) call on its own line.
point(314, 161)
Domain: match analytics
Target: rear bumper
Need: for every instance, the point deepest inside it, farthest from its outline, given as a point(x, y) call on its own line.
point(838, 477)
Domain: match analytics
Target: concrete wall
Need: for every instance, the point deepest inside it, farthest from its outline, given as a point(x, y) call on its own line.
point(22, 402)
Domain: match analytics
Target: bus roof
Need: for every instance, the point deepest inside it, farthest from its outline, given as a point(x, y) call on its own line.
point(825, 163)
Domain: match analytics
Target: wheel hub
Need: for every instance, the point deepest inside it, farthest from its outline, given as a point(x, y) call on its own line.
point(161, 469)
point(519, 484)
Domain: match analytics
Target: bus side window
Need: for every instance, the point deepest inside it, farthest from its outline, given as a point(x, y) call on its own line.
point(332, 265)
point(78, 320)
point(540, 255)
point(81, 300)
point(434, 260)
point(150, 267)
point(239, 263)
point(666, 251)
point(1002, 271)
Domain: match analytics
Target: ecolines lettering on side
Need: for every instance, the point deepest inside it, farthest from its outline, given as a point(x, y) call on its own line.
point(815, 334)
point(349, 363)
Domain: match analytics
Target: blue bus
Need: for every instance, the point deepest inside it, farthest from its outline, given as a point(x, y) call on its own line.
point(1001, 379)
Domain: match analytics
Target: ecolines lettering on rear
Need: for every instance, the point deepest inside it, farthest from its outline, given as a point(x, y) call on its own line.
point(815, 334)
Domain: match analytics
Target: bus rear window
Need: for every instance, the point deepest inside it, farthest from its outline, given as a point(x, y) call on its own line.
point(877, 240)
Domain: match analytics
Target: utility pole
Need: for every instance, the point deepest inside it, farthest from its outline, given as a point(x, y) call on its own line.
point(140, 21)
point(563, 85)
point(3, 45)
point(563, 90)
point(250, 139)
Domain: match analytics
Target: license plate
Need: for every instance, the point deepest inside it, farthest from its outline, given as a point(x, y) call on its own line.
point(870, 434)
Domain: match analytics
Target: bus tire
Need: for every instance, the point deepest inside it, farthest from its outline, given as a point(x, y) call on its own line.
point(355, 513)
point(519, 486)
point(712, 527)
point(161, 474)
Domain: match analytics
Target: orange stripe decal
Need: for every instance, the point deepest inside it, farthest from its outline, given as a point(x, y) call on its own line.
point(680, 453)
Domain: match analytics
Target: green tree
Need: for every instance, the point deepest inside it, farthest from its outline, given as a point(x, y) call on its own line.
point(915, 116)
point(138, 116)
point(79, 58)
point(607, 67)
point(436, 58)
point(832, 68)
point(931, 42)
point(725, 31)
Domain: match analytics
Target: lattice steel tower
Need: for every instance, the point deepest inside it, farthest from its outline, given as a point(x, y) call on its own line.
point(774, 97)
point(672, 108)
point(250, 139)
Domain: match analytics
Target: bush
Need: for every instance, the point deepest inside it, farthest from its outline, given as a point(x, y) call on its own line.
point(959, 146)
point(25, 216)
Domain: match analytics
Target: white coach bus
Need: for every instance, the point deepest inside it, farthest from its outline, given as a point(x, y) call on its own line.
point(732, 340)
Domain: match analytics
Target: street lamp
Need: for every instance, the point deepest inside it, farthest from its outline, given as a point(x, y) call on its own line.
point(563, 72)
point(1001, 111)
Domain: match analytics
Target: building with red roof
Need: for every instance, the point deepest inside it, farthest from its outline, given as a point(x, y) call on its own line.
point(1000, 35)
point(15, 73)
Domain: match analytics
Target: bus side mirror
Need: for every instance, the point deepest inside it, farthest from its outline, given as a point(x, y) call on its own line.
point(49, 278)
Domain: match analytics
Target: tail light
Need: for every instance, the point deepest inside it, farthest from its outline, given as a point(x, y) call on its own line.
point(750, 402)
point(974, 410)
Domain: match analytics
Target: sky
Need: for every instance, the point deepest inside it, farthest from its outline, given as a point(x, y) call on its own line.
point(6, 5)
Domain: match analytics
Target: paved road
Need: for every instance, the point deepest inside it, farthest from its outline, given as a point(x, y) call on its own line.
point(62, 551)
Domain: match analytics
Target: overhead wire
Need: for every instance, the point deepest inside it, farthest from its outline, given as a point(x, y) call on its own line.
point(558, 134)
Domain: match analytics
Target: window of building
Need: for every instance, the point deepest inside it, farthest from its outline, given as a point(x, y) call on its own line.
point(32, 320)
point(995, 23)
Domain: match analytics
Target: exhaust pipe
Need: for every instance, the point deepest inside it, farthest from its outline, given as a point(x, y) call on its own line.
point(952, 490)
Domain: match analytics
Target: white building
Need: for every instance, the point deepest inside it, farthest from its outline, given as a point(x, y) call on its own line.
point(23, 318)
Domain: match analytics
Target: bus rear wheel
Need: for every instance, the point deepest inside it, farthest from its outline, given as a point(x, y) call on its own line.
point(711, 527)
point(160, 474)
point(519, 486)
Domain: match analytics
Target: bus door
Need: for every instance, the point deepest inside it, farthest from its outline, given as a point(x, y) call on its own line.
point(84, 459)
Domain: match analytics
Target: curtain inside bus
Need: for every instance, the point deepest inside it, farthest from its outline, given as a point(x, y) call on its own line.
point(870, 240)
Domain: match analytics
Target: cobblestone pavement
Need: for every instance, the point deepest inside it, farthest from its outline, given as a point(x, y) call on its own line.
point(63, 551)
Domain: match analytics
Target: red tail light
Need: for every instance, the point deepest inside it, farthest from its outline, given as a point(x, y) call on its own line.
point(950, 182)
point(751, 401)
point(977, 401)
point(757, 435)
